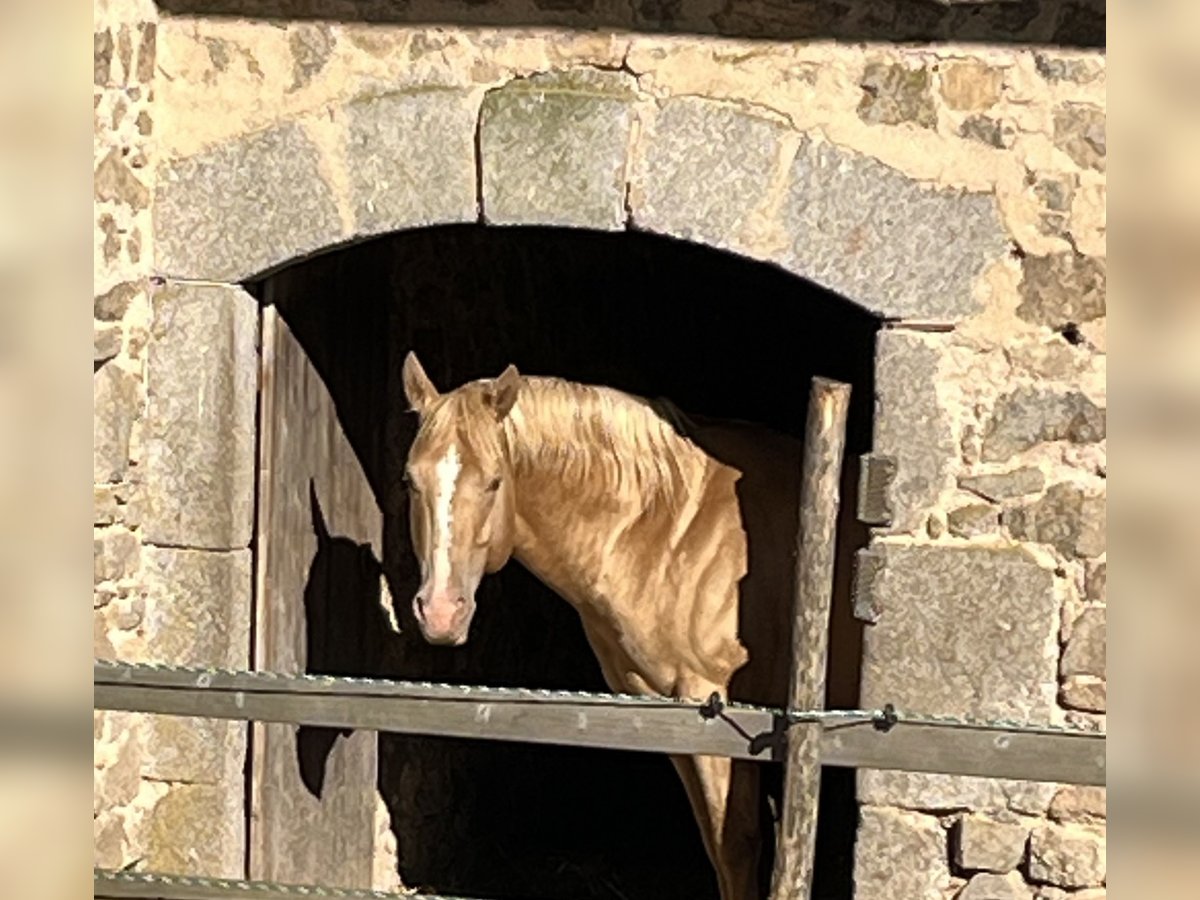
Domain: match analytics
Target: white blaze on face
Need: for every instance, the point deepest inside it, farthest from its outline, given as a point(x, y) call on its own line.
point(446, 474)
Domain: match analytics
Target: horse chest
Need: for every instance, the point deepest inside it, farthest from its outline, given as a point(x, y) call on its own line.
point(646, 649)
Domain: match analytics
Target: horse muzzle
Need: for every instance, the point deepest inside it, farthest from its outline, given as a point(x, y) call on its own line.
point(444, 619)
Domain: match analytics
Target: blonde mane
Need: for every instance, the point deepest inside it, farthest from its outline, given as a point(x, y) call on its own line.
point(606, 441)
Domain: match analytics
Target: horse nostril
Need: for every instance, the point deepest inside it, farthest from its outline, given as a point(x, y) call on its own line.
point(461, 601)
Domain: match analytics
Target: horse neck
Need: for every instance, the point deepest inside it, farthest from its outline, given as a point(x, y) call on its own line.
point(573, 535)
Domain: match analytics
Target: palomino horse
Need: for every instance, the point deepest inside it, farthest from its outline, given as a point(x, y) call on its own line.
point(676, 557)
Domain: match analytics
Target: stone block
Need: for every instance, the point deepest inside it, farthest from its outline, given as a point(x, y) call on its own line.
point(970, 85)
point(1086, 651)
point(899, 854)
point(937, 793)
point(199, 440)
point(1080, 132)
point(896, 247)
point(116, 784)
point(102, 596)
point(973, 520)
point(986, 623)
point(129, 498)
point(554, 150)
point(1055, 360)
point(197, 751)
point(411, 160)
point(981, 843)
point(113, 180)
point(1028, 416)
point(1063, 289)
point(102, 647)
point(102, 52)
point(1068, 518)
point(112, 305)
point(197, 606)
point(1085, 692)
point(987, 130)
point(896, 94)
point(104, 505)
point(1056, 194)
point(990, 650)
point(311, 46)
point(109, 841)
point(911, 425)
point(127, 611)
point(244, 206)
point(1054, 67)
point(989, 886)
point(1004, 485)
point(211, 822)
point(1080, 803)
point(1067, 856)
point(115, 406)
point(115, 554)
point(705, 169)
point(1096, 582)
point(106, 342)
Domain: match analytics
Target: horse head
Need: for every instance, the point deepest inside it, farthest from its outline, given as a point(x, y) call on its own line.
point(460, 490)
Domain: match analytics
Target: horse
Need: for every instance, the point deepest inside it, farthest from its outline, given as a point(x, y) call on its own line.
point(672, 536)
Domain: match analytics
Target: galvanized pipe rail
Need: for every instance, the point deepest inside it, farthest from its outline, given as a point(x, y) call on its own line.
point(109, 885)
point(858, 738)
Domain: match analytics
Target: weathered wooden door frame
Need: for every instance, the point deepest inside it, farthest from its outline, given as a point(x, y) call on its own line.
point(316, 511)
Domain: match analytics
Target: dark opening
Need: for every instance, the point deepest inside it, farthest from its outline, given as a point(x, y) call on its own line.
point(716, 334)
point(1063, 23)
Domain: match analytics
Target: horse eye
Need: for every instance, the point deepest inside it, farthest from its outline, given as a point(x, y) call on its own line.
point(494, 484)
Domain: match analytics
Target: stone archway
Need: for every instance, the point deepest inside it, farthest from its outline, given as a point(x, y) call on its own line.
point(584, 148)
point(719, 335)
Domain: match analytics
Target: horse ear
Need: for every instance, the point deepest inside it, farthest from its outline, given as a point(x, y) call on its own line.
point(417, 387)
point(503, 394)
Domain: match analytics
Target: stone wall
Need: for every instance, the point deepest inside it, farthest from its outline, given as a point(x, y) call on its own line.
point(994, 565)
point(957, 190)
point(173, 490)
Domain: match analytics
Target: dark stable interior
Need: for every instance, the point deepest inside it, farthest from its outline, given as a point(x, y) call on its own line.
point(717, 334)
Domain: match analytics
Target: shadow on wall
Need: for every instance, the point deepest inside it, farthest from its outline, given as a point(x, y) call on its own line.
point(720, 336)
point(1063, 23)
point(345, 629)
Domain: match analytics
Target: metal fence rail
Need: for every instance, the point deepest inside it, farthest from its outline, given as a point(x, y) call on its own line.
point(108, 885)
point(857, 738)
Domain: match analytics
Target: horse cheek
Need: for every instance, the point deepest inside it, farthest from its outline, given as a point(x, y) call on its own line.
point(496, 537)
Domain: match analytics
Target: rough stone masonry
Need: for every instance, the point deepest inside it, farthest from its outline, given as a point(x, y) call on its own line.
point(948, 174)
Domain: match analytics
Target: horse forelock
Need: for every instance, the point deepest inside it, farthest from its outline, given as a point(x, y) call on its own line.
point(459, 420)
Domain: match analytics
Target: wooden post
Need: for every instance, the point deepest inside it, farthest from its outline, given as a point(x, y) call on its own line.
point(824, 441)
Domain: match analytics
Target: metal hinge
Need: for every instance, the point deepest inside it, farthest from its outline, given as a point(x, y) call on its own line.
point(868, 565)
point(876, 473)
